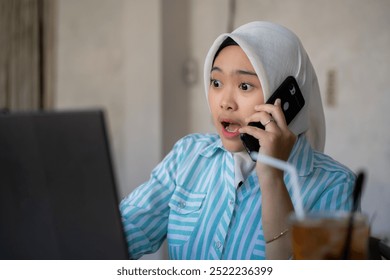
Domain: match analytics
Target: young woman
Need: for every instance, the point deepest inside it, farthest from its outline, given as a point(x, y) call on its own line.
point(207, 197)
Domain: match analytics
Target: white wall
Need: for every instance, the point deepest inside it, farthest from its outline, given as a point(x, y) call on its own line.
point(109, 57)
point(350, 37)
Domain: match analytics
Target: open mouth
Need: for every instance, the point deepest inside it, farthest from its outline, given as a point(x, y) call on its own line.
point(230, 126)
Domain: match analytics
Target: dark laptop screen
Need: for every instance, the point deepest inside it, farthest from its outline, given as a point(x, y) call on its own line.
point(57, 189)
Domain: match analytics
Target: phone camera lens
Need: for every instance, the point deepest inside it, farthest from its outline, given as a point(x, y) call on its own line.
point(286, 105)
point(292, 89)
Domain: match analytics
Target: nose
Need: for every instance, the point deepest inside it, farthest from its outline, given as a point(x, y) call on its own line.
point(228, 102)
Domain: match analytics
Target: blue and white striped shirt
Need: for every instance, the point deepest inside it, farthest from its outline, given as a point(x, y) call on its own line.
point(191, 200)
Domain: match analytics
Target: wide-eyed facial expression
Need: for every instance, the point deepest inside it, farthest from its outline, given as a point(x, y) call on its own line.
point(234, 91)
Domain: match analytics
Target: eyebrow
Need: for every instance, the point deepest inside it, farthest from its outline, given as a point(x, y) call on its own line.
point(239, 72)
point(243, 72)
point(215, 68)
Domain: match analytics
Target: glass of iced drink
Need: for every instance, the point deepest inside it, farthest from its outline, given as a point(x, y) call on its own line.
point(322, 236)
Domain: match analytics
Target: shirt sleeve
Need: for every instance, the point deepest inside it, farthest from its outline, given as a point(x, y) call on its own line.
point(145, 211)
point(336, 192)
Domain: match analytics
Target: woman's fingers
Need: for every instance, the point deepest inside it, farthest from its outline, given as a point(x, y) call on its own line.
point(268, 112)
point(276, 139)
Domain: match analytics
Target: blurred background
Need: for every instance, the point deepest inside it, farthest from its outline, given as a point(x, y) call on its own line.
point(142, 62)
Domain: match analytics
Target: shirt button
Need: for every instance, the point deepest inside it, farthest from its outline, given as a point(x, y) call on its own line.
point(182, 204)
point(231, 202)
point(218, 244)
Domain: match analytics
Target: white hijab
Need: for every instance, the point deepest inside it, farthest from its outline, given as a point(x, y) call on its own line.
point(276, 53)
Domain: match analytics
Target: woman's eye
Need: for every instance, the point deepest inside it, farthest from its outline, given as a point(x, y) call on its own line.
point(245, 86)
point(215, 83)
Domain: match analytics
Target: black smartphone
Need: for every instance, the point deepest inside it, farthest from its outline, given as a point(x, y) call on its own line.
point(292, 102)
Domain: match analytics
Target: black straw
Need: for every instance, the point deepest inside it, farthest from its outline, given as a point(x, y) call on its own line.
point(357, 191)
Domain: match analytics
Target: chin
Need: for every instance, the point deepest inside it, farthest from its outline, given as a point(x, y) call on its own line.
point(233, 146)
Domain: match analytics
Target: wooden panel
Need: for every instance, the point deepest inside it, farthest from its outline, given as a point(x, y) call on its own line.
point(23, 58)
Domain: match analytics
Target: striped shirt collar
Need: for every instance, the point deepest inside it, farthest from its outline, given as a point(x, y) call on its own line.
point(211, 149)
point(301, 155)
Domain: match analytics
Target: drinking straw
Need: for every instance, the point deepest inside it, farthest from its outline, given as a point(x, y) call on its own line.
point(290, 169)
